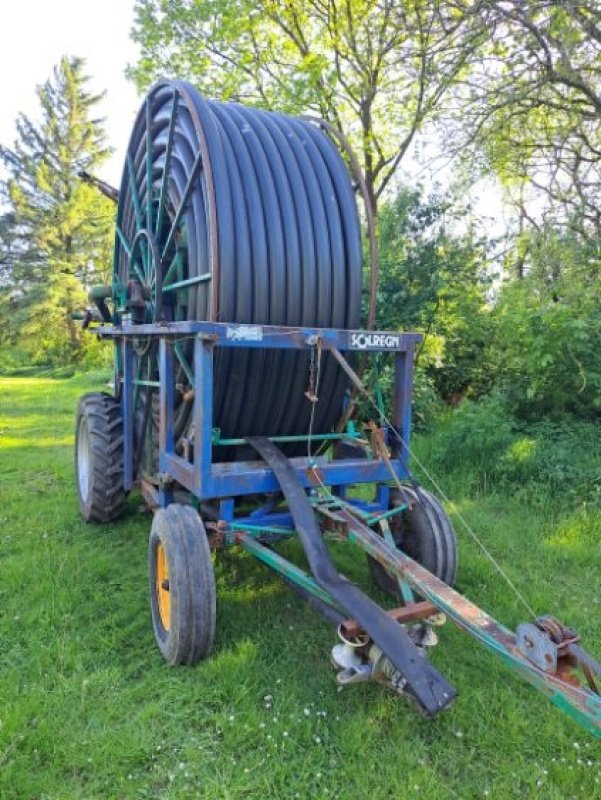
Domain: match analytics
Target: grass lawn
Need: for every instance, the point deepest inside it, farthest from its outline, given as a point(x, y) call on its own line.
point(89, 710)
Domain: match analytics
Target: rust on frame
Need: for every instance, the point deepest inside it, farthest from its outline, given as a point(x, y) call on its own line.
point(407, 613)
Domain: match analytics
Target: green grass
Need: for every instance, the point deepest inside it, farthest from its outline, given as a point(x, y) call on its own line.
point(89, 710)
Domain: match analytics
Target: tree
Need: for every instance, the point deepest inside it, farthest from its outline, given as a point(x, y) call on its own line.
point(436, 282)
point(376, 69)
point(532, 105)
point(546, 352)
point(55, 238)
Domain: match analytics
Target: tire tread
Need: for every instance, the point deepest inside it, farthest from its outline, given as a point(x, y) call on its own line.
point(105, 429)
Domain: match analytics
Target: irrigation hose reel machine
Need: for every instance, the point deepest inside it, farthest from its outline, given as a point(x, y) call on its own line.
point(240, 413)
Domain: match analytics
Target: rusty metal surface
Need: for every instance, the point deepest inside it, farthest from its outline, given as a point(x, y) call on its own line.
point(103, 187)
point(407, 613)
point(562, 688)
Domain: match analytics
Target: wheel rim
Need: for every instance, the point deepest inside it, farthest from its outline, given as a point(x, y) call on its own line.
point(162, 587)
point(83, 460)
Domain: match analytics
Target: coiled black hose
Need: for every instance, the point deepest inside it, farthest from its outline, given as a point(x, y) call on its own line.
point(261, 205)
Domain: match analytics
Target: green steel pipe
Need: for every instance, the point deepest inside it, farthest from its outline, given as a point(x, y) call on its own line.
point(322, 437)
point(259, 529)
point(188, 282)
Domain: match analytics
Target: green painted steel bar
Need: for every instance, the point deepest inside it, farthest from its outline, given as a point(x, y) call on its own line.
point(260, 529)
point(188, 282)
point(124, 241)
point(137, 206)
point(322, 437)
point(374, 519)
point(146, 383)
point(167, 164)
point(284, 567)
point(184, 202)
point(173, 266)
point(404, 586)
point(128, 249)
point(184, 362)
point(140, 275)
point(148, 166)
point(134, 192)
point(583, 705)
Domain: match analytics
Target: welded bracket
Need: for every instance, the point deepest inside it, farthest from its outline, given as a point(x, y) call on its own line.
point(553, 648)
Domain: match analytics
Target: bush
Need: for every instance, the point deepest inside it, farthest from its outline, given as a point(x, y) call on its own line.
point(473, 438)
point(484, 447)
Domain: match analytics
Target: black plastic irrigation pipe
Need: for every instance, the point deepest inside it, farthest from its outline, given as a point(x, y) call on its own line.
point(259, 212)
point(370, 220)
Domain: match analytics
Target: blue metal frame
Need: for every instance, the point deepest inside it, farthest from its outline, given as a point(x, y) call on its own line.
point(208, 480)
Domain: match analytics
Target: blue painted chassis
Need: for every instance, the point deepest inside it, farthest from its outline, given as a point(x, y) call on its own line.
point(208, 480)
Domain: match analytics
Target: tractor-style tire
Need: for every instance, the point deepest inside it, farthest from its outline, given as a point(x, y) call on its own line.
point(99, 457)
point(182, 585)
point(424, 533)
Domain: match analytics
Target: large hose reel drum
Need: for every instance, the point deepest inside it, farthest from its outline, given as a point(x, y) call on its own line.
point(239, 215)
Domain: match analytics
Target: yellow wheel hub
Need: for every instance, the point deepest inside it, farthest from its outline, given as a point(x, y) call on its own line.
point(162, 586)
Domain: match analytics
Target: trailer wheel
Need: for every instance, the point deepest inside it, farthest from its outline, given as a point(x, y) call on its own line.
point(99, 457)
point(424, 533)
point(182, 585)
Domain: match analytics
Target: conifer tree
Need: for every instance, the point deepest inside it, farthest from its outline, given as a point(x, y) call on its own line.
point(55, 236)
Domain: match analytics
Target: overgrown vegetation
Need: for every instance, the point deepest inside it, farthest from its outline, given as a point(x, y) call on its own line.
point(541, 463)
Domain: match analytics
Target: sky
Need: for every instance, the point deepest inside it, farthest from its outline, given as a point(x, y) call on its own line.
point(34, 34)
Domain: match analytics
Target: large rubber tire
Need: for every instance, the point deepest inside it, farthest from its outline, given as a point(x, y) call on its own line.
point(99, 458)
point(424, 533)
point(182, 585)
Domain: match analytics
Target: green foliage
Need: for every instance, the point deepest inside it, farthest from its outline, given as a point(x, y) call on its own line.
point(376, 72)
point(436, 282)
point(548, 327)
point(544, 463)
point(532, 106)
point(532, 337)
point(56, 236)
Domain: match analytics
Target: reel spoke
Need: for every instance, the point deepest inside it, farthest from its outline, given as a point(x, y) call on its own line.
point(184, 202)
